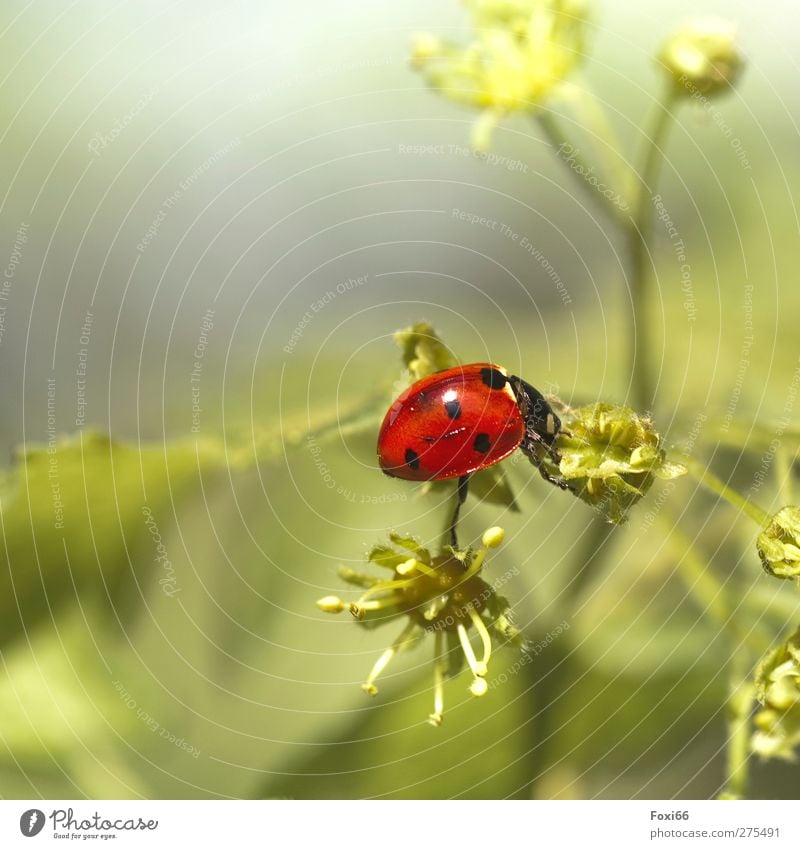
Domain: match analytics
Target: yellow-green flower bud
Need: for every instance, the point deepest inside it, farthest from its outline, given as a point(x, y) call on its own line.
point(778, 544)
point(423, 351)
point(493, 537)
point(702, 57)
point(610, 456)
point(777, 682)
point(330, 604)
point(424, 46)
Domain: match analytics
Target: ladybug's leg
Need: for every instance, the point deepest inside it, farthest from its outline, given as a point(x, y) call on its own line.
point(542, 426)
point(463, 486)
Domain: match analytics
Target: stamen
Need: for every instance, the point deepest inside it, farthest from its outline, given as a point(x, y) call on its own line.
point(478, 687)
point(438, 682)
point(476, 564)
point(407, 568)
point(359, 609)
point(478, 668)
point(434, 608)
point(383, 661)
point(426, 569)
point(483, 632)
point(358, 579)
point(384, 586)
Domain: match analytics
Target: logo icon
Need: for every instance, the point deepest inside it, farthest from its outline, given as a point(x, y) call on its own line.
point(31, 822)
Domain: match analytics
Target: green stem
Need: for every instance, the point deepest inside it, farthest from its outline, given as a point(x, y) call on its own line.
point(591, 554)
point(639, 236)
point(606, 141)
point(739, 707)
point(783, 473)
point(709, 594)
point(711, 482)
point(578, 165)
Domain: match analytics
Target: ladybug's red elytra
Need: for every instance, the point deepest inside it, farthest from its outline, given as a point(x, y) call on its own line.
point(458, 421)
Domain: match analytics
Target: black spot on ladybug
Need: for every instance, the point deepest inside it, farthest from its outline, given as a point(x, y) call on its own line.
point(412, 459)
point(493, 378)
point(452, 408)
point(482, 443)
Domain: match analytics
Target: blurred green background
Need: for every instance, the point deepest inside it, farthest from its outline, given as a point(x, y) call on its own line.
point(181, 183)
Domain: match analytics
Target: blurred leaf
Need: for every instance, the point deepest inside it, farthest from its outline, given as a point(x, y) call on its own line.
point(74, 512)
point(423, 351)
point(390, 750)
point(492, 485)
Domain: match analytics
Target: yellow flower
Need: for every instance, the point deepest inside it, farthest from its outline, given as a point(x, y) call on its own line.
point(610, 456)
point(702, 56)
point(523, 51)
point(778, 544)
point(442, 595)
point(778, 690)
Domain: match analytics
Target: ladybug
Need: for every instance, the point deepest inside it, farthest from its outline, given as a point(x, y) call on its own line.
point(463, 419)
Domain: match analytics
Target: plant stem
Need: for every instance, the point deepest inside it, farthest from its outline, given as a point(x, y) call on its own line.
point(783, 473)
point(739, 707)
point(711, 482)
point(578, 165)
point(709, 594)
point(592, 551)
point(639, 235)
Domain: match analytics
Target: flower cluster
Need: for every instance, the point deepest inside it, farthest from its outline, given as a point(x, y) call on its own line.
point(779, 544)
point(778, 690)
point(522, 52)
point(443, 595)
point(702, 57)
point(610, 456)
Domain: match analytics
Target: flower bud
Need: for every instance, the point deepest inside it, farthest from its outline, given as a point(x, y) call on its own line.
point(778, 689)
point(702, 57)
point(610, 457)
point(330, 604)
point(778, 544)
point(493, 537)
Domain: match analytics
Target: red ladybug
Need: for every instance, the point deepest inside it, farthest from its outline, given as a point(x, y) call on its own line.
point(463, 419)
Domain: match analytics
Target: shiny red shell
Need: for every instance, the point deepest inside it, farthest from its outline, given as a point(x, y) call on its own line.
point(451, 424)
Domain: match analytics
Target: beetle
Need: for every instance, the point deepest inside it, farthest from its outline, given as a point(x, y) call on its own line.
point(464, 419)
